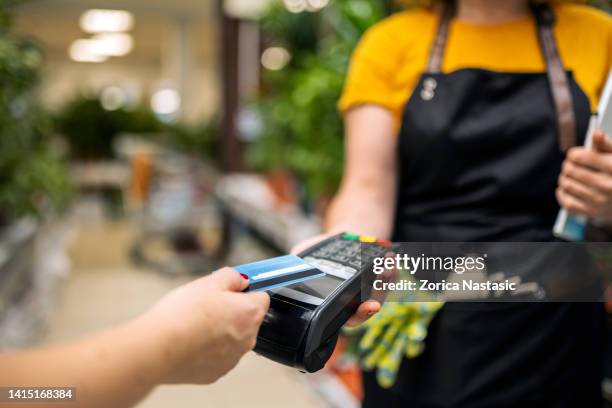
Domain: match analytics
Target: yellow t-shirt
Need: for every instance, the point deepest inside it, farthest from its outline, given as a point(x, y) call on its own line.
point(392, 55)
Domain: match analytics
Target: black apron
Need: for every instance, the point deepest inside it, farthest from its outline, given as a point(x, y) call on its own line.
point(479, 157)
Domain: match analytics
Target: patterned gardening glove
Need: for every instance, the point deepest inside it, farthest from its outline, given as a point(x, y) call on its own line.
point(397, 330)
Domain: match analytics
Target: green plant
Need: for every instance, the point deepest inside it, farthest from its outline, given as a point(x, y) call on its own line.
point(90, 129)
point(302, 129)
point(605, 5)
point(201, 139)
point(33, 177)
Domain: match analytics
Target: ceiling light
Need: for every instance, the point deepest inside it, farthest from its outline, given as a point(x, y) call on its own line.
point(296, 6)
point(113, 44)
point(275, 58)
point(246, 9)
point(316, 5)
point(165, 101)
point(83, 51)
point(113, 98)
point(106, 21)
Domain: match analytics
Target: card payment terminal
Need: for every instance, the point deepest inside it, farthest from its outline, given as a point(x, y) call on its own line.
point(301, 327)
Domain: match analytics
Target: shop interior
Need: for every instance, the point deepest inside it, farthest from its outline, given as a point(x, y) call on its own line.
point(149, 142)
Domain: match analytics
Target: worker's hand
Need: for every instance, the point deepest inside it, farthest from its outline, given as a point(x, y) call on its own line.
point(585, 183)
point(367, 309)
point(206, 326)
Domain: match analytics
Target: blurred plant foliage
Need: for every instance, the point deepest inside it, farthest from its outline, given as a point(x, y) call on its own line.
point(302, 129)
point(200, 139)
point(602, 4)
point(90, 130)
point(33, 178)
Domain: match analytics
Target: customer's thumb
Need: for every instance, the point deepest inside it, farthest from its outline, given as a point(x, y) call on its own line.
point(229, 279)
point(262, 300)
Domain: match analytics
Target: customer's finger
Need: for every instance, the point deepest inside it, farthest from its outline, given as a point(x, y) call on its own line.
point(228, 279)
point(262, 302)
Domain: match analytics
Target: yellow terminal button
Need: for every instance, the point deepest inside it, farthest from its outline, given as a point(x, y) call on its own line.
point(367, 239)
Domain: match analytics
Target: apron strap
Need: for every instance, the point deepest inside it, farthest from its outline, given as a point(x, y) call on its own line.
point(439, 45)
point(557, 77)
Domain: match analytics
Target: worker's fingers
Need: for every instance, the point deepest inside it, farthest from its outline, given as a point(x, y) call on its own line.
point(366, 310)
point(387, 275)
point(582, 191)
point(309, 243)
point(573, 204)
point(588, 158)
point(601, 142)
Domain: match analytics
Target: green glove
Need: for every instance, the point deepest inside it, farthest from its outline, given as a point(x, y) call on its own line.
point(397, 330)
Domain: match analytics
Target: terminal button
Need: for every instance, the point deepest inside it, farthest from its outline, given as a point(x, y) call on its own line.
point(350, 237)
point(384, 242)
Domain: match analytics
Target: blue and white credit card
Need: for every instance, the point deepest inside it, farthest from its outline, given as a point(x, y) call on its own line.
point(277, 272)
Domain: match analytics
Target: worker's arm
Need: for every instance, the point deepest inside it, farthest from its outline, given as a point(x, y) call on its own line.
point(365, 203)
point(194, 335)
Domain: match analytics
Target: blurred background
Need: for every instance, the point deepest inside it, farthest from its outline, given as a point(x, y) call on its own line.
point(146, 142)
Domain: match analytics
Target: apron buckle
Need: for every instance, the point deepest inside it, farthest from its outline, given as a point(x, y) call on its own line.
point(429, 87)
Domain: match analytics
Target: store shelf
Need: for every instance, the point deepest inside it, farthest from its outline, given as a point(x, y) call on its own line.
point(33, 265)
point(248, 200)
point(16, 261)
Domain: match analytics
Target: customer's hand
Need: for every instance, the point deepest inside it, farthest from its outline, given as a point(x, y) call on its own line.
point(206, 326)
point(585, 183)
point(367, 309)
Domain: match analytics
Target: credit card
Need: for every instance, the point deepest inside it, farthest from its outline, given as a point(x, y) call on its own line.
point(277, 272)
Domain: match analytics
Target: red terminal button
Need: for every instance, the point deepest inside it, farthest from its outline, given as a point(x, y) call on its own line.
point(244, 276)
point(384, 242)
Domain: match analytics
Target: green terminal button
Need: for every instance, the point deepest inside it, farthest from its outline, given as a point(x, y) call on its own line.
point(350, 237)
